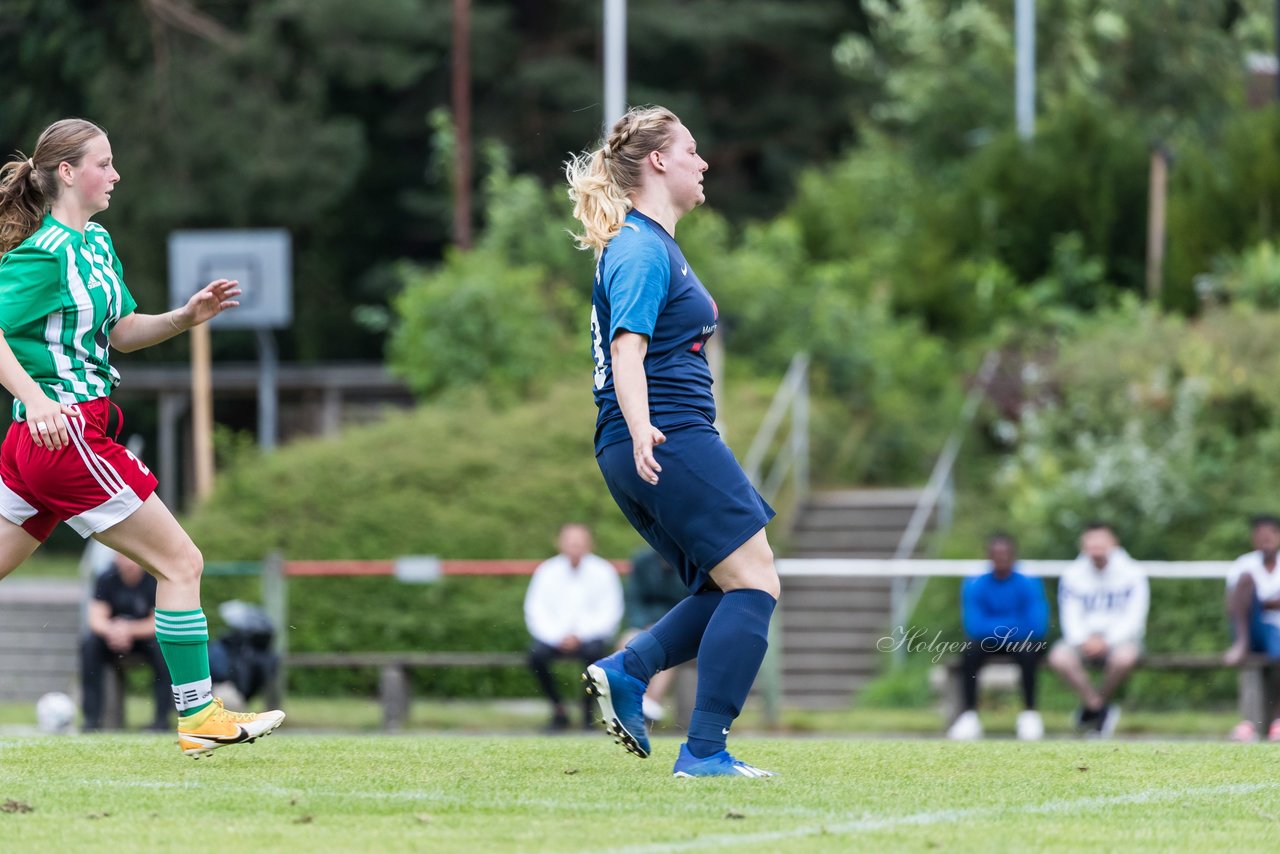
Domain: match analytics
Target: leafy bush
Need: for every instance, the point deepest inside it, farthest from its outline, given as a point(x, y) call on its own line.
point(469, 481)
point(477, 321)
point(1224, 196)
point(1251, 278)
point(1160, 424)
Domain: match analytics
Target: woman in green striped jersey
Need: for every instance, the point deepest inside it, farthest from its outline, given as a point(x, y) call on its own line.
point(63, 306)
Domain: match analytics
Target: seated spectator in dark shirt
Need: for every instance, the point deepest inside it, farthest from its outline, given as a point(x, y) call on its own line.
point(1005, 613)
point(653, 588)
point(121, 623)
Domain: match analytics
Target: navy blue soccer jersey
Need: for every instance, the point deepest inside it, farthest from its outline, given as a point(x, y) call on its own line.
point(644, 285)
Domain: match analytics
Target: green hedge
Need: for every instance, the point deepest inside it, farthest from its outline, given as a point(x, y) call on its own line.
point(381, 614)
point(476, 480)
point(467, 481)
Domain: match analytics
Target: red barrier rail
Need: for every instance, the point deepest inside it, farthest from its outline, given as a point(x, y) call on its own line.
point(447, 567)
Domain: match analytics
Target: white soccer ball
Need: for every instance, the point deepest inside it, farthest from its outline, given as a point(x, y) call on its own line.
point(55, 713)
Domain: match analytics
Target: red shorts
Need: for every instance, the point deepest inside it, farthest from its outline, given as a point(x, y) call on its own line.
point(91, 484)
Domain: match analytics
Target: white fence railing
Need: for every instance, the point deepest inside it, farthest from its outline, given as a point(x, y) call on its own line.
point(920, 568)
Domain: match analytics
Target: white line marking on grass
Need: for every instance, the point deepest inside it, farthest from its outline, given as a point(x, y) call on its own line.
point(874, 823)
point(435, 798)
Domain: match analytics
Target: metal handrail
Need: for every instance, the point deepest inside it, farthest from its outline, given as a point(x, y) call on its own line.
point(791, 397)
point(905, 591)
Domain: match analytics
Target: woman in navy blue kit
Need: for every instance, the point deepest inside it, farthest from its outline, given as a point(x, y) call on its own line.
point(663, 460)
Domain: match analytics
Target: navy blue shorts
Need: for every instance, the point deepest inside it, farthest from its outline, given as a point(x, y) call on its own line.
point(702, 508)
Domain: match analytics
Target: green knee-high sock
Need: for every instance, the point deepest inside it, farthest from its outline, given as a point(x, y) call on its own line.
point(184, 642)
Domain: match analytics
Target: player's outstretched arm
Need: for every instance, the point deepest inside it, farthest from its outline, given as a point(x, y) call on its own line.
point(136, 331)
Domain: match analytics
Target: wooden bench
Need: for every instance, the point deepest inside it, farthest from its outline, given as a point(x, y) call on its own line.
point(1256, 677)
point(114, 690)
point(394, 667)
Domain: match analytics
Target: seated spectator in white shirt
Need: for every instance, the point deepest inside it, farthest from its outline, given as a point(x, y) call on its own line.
point(572, 609)
point(1253, 607)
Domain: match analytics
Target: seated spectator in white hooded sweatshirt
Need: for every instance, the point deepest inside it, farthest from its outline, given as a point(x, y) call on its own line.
point(1102, 609)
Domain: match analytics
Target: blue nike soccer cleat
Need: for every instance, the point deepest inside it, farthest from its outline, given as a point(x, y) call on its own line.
point(716, 765)
point(620, 696)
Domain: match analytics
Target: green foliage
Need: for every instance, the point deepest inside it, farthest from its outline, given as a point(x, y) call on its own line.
point(313, 116)
point(467, 481)
point(943, 71)
point(506, 316)
point(386, 615)
point(1156, 423)
point(1224, 196)
point(476, 321)
point(1251, 278)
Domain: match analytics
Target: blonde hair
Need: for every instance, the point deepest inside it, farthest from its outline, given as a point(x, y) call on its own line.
point(601, 181)
point(29, 185)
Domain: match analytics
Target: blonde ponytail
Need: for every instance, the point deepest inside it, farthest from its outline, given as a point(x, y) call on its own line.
point(601, 181)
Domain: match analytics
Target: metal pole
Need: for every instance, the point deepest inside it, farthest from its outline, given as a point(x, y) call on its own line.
point(462, 123)
point(275, 600)
point(615, 61)
point(800, 432)
point(172, 405)
point(1157, 196)
point(202, 409)
point(1024, 26)
point(268, 371)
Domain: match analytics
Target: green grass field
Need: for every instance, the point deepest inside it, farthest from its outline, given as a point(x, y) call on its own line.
point(295, 792)
point(353, 715)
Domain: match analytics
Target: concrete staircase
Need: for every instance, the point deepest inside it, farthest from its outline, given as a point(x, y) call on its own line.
point(39, 627)
point(830, 626)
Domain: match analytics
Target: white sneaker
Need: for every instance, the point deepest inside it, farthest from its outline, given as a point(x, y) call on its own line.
point(966, 728)
point(1110, 717)
point(1030, 726)
point(652, 709)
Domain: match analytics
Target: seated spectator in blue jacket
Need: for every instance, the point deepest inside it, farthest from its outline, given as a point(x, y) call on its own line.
point(1004, 613)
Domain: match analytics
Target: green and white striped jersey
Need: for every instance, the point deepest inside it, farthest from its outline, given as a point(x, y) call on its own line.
point(61, 294)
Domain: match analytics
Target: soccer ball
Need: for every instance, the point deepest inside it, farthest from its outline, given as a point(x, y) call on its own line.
point(55, 713)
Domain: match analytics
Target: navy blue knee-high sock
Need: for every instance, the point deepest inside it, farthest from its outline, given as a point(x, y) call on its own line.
point(674, 639)
point(733, 647)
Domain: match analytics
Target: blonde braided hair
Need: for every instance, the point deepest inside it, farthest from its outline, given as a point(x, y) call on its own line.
point(601, 181)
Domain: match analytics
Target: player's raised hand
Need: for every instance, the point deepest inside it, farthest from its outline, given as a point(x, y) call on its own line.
point(642, 446)
point(210, 301)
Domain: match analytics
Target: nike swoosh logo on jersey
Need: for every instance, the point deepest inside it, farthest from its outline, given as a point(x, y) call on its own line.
point(724, 731)
point(684, 271)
